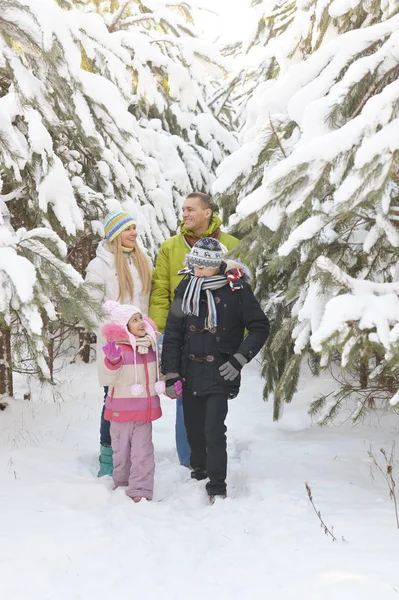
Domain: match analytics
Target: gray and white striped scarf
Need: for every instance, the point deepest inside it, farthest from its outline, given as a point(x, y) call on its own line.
point(191, 298)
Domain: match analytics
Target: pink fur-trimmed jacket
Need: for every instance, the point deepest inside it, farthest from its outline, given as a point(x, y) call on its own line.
point(126, 401)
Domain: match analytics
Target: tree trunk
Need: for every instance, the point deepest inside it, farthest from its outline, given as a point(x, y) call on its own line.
point(48, 333)
point(84, 344)
point(51, 359)
point(364, 374)
point(6, 383)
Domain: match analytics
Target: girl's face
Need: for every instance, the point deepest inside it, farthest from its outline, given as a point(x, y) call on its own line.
point(136, 325)
point(205, 272)
point(129, 236)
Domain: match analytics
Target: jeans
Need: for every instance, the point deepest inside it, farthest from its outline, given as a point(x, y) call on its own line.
point(105, 435)
point(182, 445)
point(205, 417)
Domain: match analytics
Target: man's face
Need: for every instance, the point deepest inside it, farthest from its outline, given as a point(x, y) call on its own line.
point(196, 218)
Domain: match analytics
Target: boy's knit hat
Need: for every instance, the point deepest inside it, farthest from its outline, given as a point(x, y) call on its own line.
point(207, 252)
point(120, 315)
point(116, 222)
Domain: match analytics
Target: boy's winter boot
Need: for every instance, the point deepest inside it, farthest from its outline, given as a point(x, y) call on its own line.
point(212, 499)
point(199, 474)
point(106, 467)
point(217, 490)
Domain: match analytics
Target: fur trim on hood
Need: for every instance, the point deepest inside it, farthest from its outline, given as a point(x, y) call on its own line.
point(115, 333)
point(235, 264)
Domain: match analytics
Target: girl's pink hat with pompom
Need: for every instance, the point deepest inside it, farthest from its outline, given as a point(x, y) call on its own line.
point(120, 315)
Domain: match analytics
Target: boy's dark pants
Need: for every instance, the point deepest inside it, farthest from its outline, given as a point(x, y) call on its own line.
point(204, 418)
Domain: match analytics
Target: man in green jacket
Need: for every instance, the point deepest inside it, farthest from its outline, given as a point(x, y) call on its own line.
point(199, 221)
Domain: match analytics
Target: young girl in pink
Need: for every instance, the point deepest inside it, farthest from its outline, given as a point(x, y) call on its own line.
point(132, 372)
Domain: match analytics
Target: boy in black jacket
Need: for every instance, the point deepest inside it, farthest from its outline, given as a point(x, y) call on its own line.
point(204, 350)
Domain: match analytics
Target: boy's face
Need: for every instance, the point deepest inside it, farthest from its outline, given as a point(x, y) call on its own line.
point(205, 272)
point(136, 325)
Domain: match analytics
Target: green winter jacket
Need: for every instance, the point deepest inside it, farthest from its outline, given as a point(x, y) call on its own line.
point(170, 260)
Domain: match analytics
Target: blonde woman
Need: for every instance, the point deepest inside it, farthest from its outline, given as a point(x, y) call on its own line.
point(122, 271)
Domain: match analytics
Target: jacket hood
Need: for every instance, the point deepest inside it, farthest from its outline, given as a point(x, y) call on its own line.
point(235, 264)
point(214, 225)
point(105, 255)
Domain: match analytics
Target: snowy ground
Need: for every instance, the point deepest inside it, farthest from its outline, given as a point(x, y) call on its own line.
point(64, 534)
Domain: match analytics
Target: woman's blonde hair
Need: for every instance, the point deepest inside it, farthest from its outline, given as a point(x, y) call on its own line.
point(125, 279)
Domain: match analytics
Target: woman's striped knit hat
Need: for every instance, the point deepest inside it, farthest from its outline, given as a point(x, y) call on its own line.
point(116, 222)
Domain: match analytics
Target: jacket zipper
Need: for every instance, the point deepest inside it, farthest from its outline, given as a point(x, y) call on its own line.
point(147, 386)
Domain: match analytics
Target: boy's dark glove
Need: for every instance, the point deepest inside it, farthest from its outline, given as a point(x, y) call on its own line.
point(174, 385)
point(231, 369)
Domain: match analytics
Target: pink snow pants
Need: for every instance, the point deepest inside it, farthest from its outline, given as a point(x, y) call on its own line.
point(133, 458)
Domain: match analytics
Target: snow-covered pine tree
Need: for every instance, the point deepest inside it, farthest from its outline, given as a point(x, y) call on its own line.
point(281, 33)
point(72, 149)
point(317, 206)
point(170, 72)
point(251, 66)
point(165, 86)
point(42, 104)
point(122, 171)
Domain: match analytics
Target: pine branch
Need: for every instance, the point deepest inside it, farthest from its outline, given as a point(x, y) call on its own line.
point(117, 17)
point(226, 89)
point(277, 137)
point(377, 88)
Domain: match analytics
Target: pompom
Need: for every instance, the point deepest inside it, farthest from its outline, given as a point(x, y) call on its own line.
point(136, 389)
point(159, 387)
point(110, 306)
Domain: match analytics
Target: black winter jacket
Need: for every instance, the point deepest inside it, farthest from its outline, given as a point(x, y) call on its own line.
point(196, 354)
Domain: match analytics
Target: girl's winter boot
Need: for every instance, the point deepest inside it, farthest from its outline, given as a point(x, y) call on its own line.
point(106, 467)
